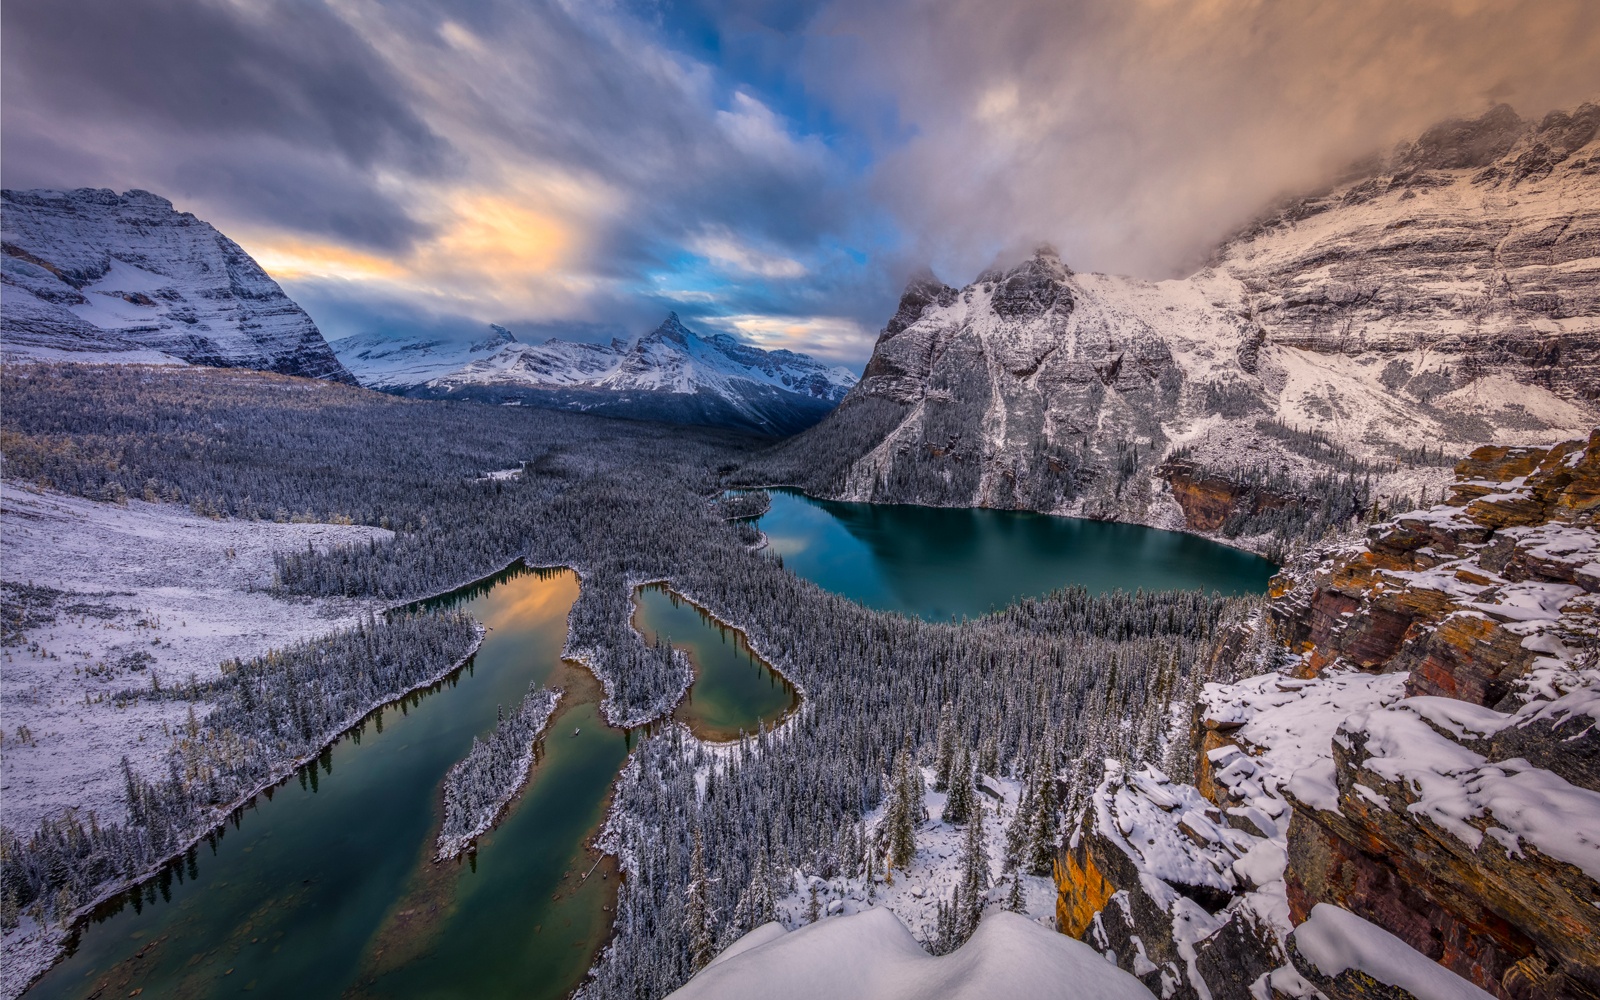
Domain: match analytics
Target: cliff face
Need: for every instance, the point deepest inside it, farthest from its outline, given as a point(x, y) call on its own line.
point(1449, 298)
point(1481, 239)
point(98, 276)
point(1421, 777)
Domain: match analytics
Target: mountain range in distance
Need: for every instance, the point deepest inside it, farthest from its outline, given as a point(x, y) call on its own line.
point(670, 374)
point(99, 277)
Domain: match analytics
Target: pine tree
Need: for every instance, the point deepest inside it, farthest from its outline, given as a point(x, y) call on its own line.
point(1016, 899)
point(958, 806)
point(974, 878)
point(900, 820)
point(1039, 854)
point(813, 906)
point(945, 759)
point(697, 915)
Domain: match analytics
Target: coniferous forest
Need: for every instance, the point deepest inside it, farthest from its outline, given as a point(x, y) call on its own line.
point(1041, 691)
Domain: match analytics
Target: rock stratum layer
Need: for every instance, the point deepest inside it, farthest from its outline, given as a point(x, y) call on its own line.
point(97, 276)
point(1409, 805)
point(1450, 296)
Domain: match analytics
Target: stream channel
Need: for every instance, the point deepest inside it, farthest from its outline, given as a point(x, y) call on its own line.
point(324, 886)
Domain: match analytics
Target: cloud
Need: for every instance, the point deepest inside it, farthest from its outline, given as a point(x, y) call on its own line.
point(771, 169)
point(1136, 133)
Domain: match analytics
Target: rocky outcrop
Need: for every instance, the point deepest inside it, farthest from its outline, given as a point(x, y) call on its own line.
point(1451, 826)
point(1412, 798)
point(99, 276)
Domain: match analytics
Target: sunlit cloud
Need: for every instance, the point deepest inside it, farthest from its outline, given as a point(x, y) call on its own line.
point(835, 338)
point(723, 248)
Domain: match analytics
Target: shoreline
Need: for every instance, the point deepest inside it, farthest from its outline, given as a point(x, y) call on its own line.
point(37, 949)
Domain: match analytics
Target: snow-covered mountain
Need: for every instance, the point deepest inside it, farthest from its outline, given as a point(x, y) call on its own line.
point(671, 373)
point(1447, 298)
point(99, 276)
point(384, 362)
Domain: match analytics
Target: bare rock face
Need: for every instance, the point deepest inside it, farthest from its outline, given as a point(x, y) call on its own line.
point(1480, 240)
point(1450, 296)
point(94, 275)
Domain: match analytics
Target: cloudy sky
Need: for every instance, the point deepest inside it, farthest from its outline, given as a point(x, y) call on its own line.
point(769, 168)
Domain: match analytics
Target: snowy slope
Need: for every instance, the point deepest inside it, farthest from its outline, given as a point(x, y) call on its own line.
point(384, 362)
point(872, 955)
point(1449, 299)
point(671, 373)
point(108, 277)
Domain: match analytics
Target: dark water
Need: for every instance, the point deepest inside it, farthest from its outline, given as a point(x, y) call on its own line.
point(326, 887)
point(939, 563)
point(732, 685)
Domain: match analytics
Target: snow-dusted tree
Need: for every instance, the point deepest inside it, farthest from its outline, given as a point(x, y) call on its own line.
point(697, 909)
point(989, 754)
point(945, 756)
point(903, 812)
point(974, 874)
point(959, 804)
point(1039, 851)
point(1016, 897)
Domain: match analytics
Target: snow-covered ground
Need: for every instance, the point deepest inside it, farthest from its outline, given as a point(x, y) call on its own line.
point(872, 955)
point(150, 591)
point(915, 893)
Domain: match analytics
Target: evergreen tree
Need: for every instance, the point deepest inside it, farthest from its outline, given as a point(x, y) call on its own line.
point(697, 915)
point(1016, 898)
point(974, 875)
point(945, 758)
point(959, 805)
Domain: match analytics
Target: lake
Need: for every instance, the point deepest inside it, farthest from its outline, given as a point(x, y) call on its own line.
point(940, 562)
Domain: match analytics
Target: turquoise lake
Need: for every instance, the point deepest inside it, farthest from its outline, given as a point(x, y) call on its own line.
point(940, 562)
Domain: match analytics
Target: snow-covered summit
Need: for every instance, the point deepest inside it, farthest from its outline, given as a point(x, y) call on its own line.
point(670, 373)
point(125, 277)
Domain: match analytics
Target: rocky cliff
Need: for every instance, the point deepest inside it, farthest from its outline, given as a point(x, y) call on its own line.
point(98, 276)
point(1444, 298)
point(1409, 804)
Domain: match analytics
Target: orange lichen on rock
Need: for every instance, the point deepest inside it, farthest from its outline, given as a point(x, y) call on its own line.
point(1081, 891)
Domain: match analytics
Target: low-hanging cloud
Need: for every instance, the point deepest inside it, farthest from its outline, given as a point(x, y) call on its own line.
point(1136, 133)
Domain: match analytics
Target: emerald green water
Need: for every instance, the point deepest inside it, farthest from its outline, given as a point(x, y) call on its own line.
point(732, 685)
point(940, 562)
point(325, 886)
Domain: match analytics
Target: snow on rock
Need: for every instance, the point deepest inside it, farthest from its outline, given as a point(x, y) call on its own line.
point(1335, 941)
point(98, 276)
point(149, 592)
point(1288, 725)
point(873, 955)
point(1469, 797)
